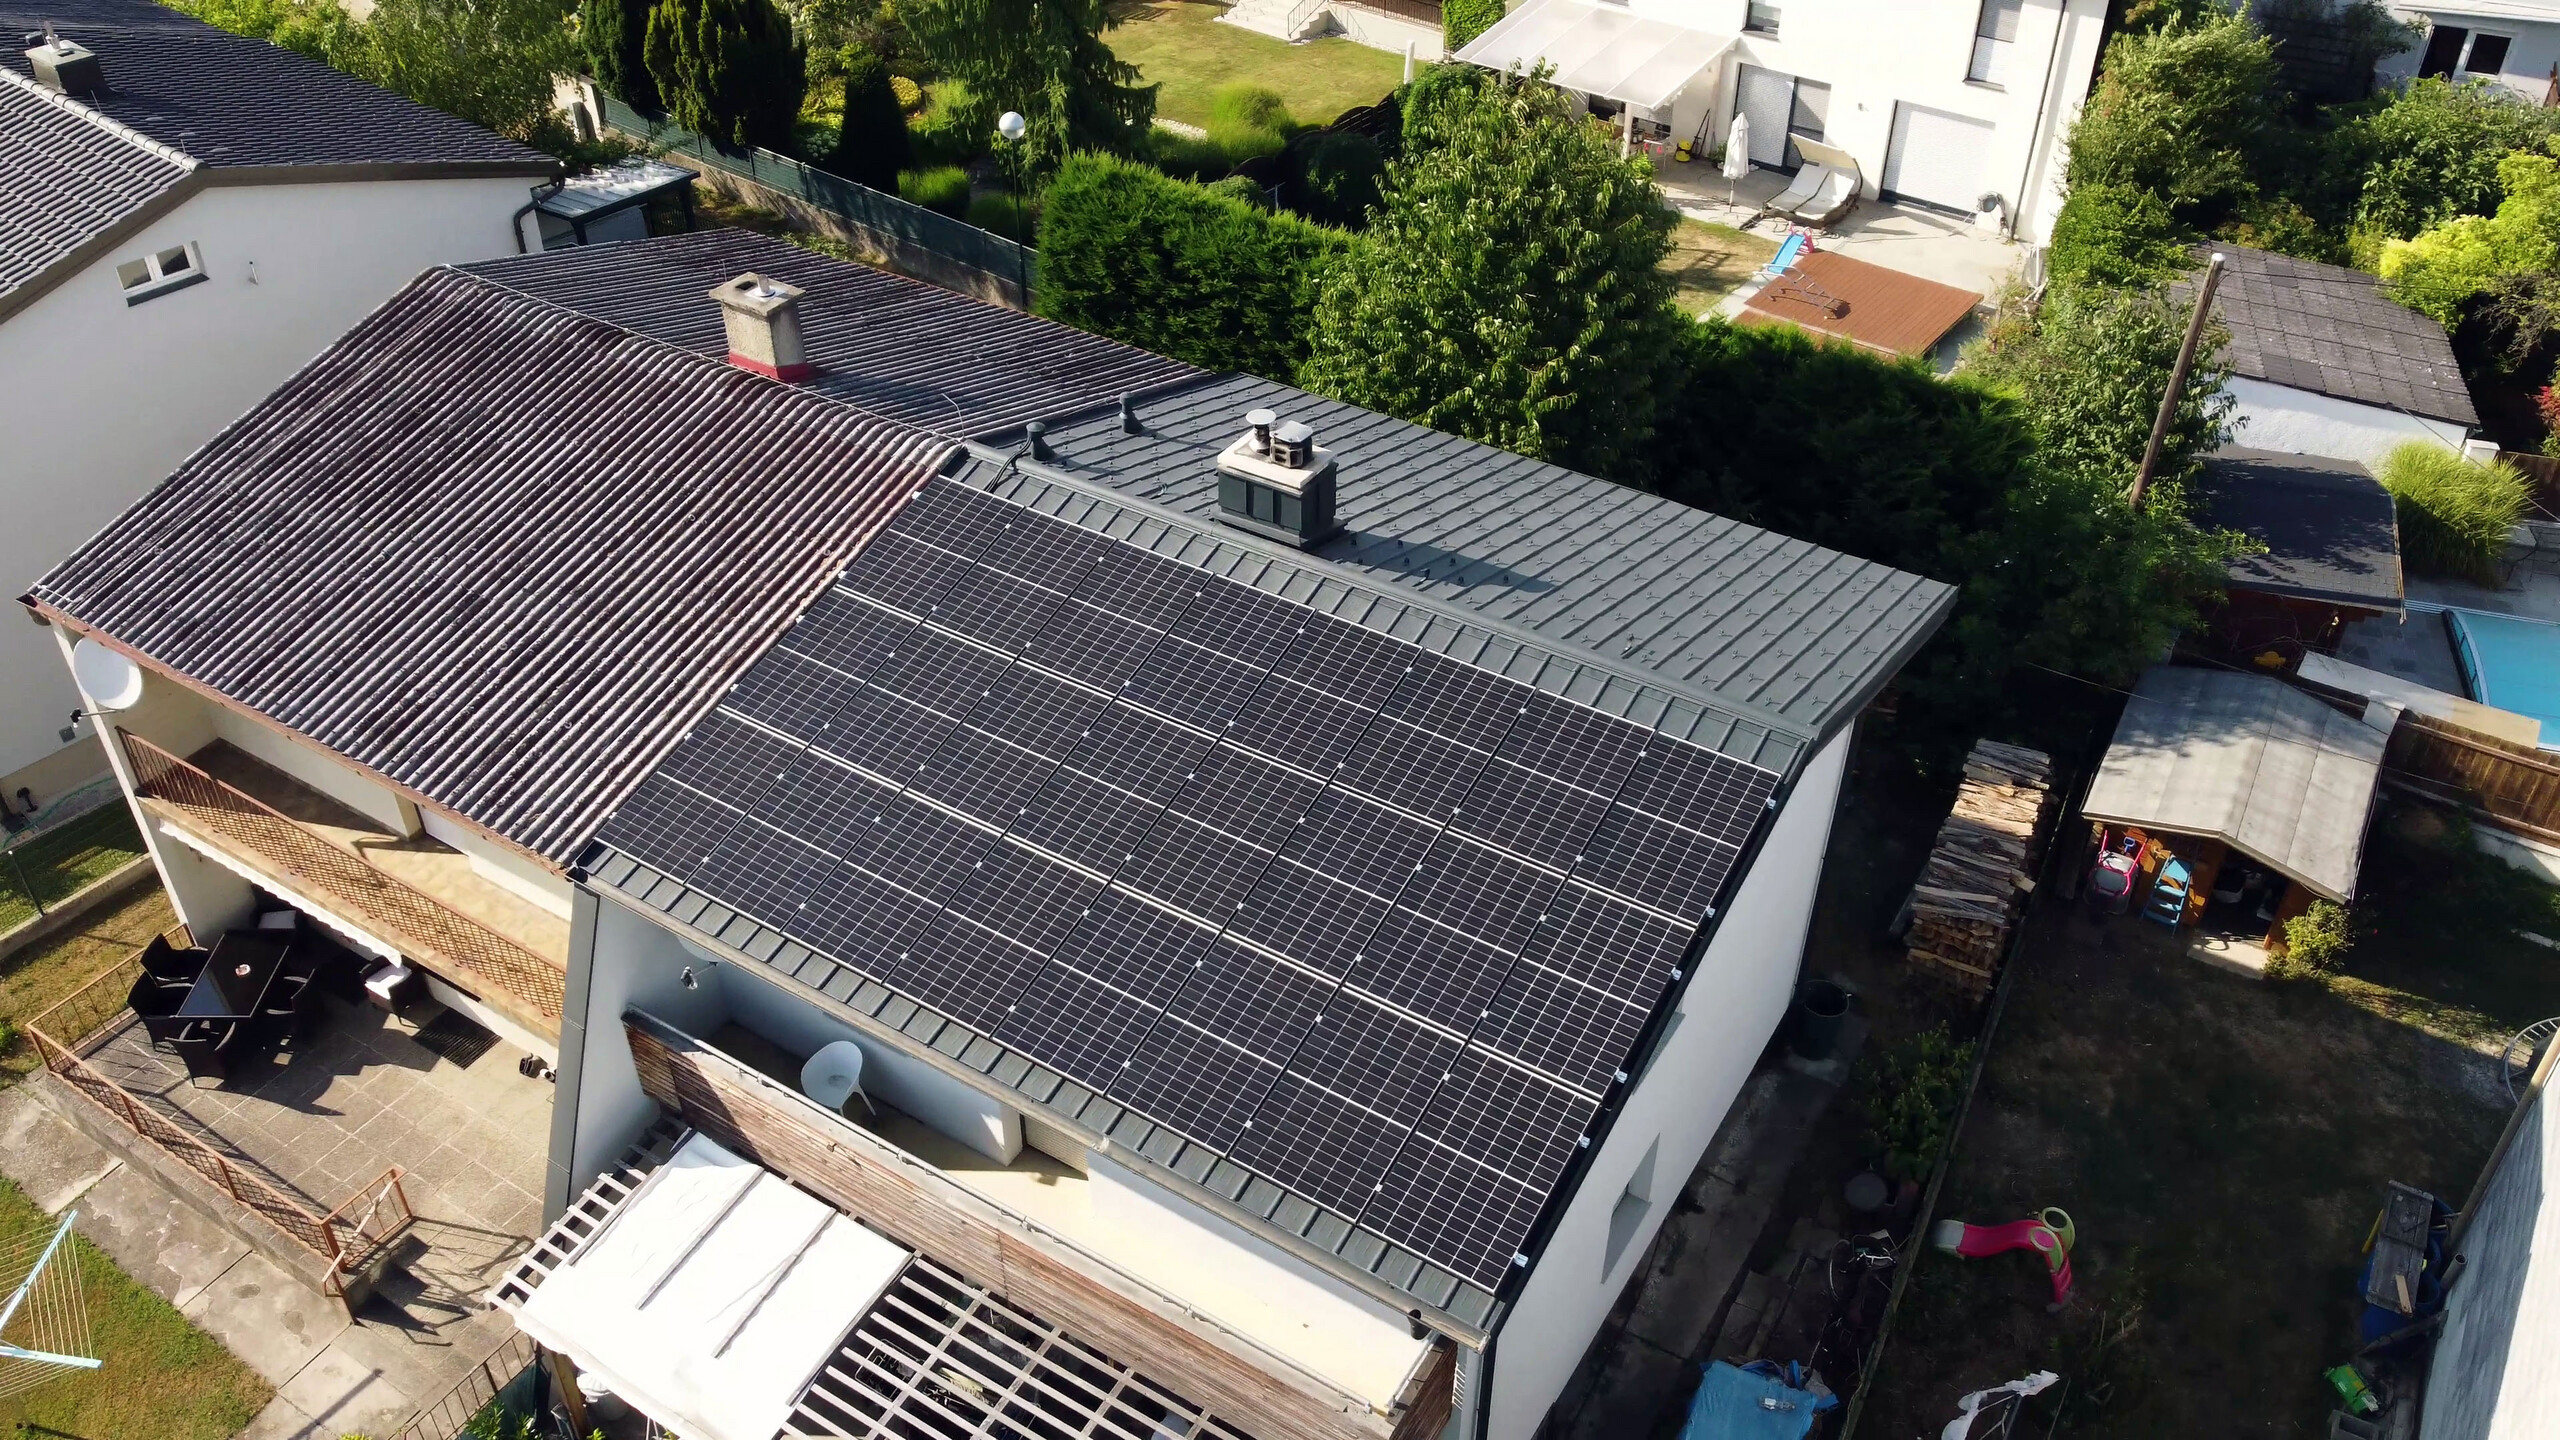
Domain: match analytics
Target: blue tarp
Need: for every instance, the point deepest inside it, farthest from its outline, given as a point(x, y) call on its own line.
point(1729, 1407)
point(2512, 663)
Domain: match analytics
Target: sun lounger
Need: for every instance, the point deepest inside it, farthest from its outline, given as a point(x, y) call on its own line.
point(1799, 190)
point(1787, 255)
point(1831, 200)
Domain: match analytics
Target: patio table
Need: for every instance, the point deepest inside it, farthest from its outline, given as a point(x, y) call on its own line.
point(243, 963)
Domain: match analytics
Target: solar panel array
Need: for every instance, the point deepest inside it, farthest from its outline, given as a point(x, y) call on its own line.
point(1376, 924)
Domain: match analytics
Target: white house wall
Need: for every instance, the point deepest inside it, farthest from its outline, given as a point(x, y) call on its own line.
point(2533, 49)
point(636, 963)
point(1875, 54)
point(2305, 422)
point(2496, 1371)
point(1732, 1006)
point(509, 870)
point(311, 767)
point(112, 397)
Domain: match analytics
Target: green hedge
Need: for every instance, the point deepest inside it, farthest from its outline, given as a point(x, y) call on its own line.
point(2116, 235)
point(1128, 252)
point(2454, 513)
point(1464, 20)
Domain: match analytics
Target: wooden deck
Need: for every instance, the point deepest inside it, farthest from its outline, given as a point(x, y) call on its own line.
point(1867, 305)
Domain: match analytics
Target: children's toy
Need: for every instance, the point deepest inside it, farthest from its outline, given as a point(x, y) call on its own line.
point(2049, 1234)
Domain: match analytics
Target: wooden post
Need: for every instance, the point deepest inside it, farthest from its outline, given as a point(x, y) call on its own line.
point(2177, 380)
point(564, 1378)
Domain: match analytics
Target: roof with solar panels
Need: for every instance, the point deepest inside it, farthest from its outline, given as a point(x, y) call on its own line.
point(1330, 860)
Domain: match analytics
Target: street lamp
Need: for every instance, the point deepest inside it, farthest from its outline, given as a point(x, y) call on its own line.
point(1011, 127)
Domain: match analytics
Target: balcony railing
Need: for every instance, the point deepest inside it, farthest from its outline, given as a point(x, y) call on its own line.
point(64, 1032)
point(517, 981)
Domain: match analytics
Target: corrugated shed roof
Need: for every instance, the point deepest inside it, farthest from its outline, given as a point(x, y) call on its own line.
point(2332, 331)
point(230, 101)
point(496, 552)
point(894, 346)
point(2329, 527)
point(67, 177)
point(1770, 630)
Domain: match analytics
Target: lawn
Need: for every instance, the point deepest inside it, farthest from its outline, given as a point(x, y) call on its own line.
point(58, 862)
point(1179, 45)
point(39, 975)
point(2222, 1144)
point(1707, 261)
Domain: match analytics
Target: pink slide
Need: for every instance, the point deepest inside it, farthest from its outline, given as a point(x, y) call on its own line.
point(2049, 1234)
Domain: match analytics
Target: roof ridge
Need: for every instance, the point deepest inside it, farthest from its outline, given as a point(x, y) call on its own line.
point(185, 162)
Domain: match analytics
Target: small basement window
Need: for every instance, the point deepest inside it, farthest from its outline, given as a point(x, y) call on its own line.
point(149, 277)
point(1759, 19)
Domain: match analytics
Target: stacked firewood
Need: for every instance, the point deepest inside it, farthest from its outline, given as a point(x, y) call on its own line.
point(1980, 869)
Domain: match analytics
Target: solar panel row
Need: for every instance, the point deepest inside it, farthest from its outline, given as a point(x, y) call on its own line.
point(1380, 925)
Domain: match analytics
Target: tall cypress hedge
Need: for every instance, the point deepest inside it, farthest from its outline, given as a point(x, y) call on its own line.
point(729, 70)
point(1172, 267)
point(615, 34)
point(871, 142)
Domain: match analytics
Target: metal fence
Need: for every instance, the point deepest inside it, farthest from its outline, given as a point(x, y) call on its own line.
point(882, 214)
point(39, 869)
point(444, 1417)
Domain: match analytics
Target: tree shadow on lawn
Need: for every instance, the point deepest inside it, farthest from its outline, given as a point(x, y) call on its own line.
point(2222, 1144)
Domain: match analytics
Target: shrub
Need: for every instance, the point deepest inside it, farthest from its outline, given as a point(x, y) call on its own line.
point(871, 142)
point(728, 69)
point(2442, 268)
point(2091, 373)
point(1464, 20)
point(2547, 405)
point(944, 189)
point(614, 34)
point(1044, 58)
point(2115, 235)
point(2432, 152)
point(1249, 107)
point(1337, 179)
point(1003, 215)
point(1911, 1094)
point(946, 134)
point(910, 94)
point(2454, 513)
point(2315, 943)
point(2178, 113)
point(1185, 157)
point(1131, 253)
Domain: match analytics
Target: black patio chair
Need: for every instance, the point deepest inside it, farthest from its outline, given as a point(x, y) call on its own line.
point(164, 961)
point(153, 996)
point(291, 1005)
point(207, 1047)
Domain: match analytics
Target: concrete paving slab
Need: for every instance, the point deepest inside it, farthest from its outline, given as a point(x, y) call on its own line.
point(267, 1318)
point(170, 1247)
point(51, 1161)
point(345, 1395)
point(1645, 1386)
point(283, 1420)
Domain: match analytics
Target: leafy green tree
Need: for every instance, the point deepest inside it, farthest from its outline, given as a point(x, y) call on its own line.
point(489, 61)
point(2443, 268)
point(615, 36)
point(2433, 152)
point(2179, 112)
point(1511, 289)
point(729, 70)
point(871, 147)
point(2091, 373)
point(1464, 20)
point(1046, 59)
point(2115, 235)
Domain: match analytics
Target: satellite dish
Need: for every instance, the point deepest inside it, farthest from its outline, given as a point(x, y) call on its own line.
point(111, 681)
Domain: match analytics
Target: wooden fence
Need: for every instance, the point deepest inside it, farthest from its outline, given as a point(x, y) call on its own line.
point(2511, 785)
point(2544, 472)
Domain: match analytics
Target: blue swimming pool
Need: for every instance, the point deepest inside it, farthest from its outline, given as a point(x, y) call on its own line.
point(2512, 663)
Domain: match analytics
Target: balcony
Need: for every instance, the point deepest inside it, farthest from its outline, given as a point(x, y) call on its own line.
point(422, 899)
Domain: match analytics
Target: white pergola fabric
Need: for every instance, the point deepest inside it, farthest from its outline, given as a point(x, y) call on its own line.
point(2249, 760)
point(712, 1295)
point(1599, 50)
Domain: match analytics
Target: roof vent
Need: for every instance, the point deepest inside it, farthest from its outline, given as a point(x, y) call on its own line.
point(1275, 480)
point(763, 319)
point(65, 67)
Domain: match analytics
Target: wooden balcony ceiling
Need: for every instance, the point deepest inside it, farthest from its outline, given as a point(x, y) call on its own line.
point(430, 867)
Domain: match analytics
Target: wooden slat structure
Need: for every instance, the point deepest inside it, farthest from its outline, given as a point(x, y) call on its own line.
point(980, 1245)
point(2515, 786)
point(1981, 866)
point(1869, 306)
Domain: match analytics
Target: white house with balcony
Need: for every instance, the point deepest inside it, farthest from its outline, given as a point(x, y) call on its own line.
point(1956, 106)
point(186, 217)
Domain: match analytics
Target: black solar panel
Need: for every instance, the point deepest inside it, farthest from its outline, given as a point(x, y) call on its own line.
point(1382, 925)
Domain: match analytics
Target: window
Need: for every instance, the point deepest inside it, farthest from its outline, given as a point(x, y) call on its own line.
point(1811, 111)
point(2488, 55)
point(1627, 1216)
point(1995, 34)
point(149, 277)
point(1759, 19)
point(2444, 49)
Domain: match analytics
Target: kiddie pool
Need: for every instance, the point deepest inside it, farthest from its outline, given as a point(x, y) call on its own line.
point(2510, 662)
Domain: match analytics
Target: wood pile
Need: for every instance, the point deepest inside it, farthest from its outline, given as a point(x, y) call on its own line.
point(1982, 865)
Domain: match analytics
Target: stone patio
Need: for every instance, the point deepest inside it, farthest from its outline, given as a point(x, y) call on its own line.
point(1899, 237)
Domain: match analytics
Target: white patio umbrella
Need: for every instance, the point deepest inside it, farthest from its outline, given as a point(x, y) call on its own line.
point(1737, 154)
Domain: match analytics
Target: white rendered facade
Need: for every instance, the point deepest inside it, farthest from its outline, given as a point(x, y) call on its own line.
point(2513, 42)
point(2305, 422)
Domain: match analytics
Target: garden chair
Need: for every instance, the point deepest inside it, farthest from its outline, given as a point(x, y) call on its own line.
point(1808, 180)
point(1836, 196)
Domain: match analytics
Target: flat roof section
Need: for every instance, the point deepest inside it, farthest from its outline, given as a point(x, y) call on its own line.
point(2330, 529)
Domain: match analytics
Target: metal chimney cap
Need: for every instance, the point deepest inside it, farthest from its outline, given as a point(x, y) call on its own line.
point(1260, 418)
point(1295, 432)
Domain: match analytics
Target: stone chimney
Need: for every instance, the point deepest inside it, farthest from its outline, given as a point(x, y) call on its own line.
point(763, 318)
point(1276, 481)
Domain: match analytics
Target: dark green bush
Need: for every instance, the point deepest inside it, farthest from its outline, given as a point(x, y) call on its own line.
point(1128, 252)
point(614, 34)
point(1186, 158)
point(944, 189)
point(2109, 234)
point(2432, 152)
point(1002, 215)
point(871, 145)
point(729, 70)
point(1464, 20)
point(1911, 1093)
point(2179, 112)
point(2315, 943)
point(1337, 179)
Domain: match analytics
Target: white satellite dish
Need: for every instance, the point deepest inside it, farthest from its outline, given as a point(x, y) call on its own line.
point(111, 681)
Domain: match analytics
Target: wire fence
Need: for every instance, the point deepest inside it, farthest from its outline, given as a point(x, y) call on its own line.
point(41, 868)
point(883, 215)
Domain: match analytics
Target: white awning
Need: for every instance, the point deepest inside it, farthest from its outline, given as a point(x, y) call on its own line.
point(1599, 50)
point(2249, 760)
point(713, 1294)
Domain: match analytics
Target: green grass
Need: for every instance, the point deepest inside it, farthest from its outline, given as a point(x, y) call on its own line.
point(61, 860)
point(1179, 45)
point(162, 1378)
point(34, 978)
point(1707, 261)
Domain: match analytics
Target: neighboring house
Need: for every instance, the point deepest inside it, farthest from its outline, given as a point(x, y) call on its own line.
point(1943, 103)
point(1296, 891)
point(2330, 556)
point(2514, 42)
point(186, 216)
point(1408, 27)
point(2494, 1372)
point(2324, 363)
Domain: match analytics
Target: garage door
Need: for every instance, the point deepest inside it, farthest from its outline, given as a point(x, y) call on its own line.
point(1936, 159)
point(1768, 99)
